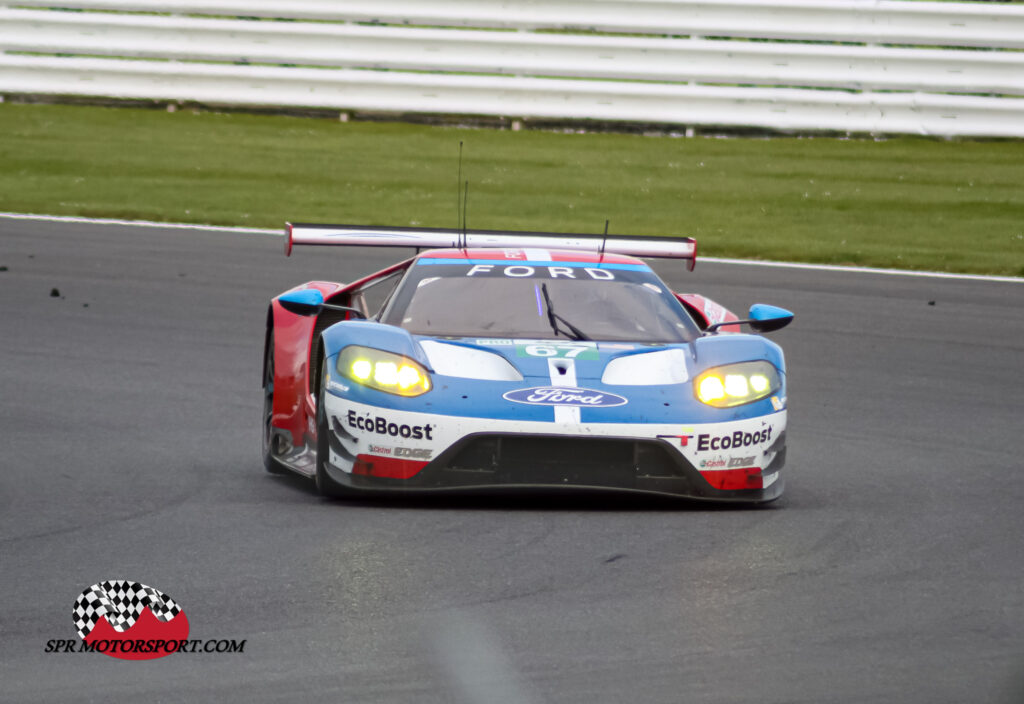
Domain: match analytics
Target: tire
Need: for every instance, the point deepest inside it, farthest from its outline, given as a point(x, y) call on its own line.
point(325, 486)
point(270, 463)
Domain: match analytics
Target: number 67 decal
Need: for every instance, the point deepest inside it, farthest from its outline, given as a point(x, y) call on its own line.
point(569, 351)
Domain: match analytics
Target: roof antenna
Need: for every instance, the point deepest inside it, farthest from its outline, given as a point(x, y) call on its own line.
point(458, 190)
point(465, 199)
point(603, 241)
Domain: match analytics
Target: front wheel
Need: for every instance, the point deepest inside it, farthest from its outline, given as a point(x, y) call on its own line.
point(324, 484)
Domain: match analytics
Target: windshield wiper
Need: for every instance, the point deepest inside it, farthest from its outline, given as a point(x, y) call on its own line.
point(555, 319)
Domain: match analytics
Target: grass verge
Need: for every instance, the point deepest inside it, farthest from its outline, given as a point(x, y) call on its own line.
point(907, 202)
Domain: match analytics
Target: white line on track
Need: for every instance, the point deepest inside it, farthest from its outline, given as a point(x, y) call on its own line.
point(140, 223)
point(864, 270)
point(711, 260)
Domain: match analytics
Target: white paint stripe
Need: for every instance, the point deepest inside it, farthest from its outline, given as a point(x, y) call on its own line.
point(537, 255)
point(863, 270)
point(567, 415)
point(564, 414)
point(140, 223)
point(710, 260)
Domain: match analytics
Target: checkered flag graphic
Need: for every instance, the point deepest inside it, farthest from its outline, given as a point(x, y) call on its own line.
point(121, 602)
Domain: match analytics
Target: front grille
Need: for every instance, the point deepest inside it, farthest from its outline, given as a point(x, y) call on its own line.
point(518, 459)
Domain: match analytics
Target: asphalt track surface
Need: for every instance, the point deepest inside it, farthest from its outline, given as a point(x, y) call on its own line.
point(891, 571)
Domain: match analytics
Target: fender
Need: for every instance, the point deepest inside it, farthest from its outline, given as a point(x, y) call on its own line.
point(296, 353)
point(372, 334)
point(716, 350)
point(293, 336)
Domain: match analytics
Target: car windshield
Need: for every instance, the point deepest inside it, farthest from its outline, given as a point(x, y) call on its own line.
point(505, 299)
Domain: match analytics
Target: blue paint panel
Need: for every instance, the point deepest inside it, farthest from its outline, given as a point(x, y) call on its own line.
point(727, 348)
point(456, 396)
point(370, 333)
point(451, 396)
point(483, 399)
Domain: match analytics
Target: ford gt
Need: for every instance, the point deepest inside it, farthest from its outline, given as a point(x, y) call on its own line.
point(491, 361)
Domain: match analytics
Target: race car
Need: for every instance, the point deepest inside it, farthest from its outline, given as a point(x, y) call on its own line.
point(497, 360)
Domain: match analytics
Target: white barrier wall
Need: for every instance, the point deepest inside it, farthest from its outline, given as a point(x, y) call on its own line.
point(676, 62)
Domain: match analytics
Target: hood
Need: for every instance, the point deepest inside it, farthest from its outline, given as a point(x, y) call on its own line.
point(543, 361)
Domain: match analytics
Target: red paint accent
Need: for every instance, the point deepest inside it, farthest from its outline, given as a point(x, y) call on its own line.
point(405, 264)
point(287, 239)
point(292, 337)
point(733, 479)
point(386, 467)
point(698, 304)
point(684, 440)
point(146, 627)
point(294, 410)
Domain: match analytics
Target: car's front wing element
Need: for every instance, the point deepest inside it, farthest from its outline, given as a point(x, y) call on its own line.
point(376, 448)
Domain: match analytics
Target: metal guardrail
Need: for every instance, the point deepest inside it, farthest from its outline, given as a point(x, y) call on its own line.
point(346, 89)
point(870, 21)
point(514, 53)
point(660, 78)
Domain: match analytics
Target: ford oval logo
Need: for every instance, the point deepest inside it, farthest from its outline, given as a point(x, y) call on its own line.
point(564, 396)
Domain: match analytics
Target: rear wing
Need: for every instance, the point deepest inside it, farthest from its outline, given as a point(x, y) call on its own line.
point(442, 238)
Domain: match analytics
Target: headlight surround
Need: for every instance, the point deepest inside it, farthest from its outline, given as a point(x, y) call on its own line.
point(384, 371)
point(737, 384)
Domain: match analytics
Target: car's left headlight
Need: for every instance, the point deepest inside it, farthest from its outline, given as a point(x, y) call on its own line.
point(737, 384)
point(384, 371)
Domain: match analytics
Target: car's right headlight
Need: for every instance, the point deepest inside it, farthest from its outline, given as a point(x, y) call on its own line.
point(737, 384)
point(384, 371)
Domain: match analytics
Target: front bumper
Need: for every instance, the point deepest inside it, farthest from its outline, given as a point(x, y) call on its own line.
point(391, 451)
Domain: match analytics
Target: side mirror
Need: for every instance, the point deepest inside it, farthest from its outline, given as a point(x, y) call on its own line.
point(307, 301)
point(766, 318)
point(762, 318)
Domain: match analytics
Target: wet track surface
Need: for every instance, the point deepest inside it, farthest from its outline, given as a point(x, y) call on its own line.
point(891, 571)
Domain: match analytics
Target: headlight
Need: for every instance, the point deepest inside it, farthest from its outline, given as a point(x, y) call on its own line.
point(736, 384)
point(384, 371)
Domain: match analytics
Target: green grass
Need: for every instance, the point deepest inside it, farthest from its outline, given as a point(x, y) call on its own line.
point(907, 202)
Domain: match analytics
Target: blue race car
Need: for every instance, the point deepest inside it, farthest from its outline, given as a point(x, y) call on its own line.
point(498, 360)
